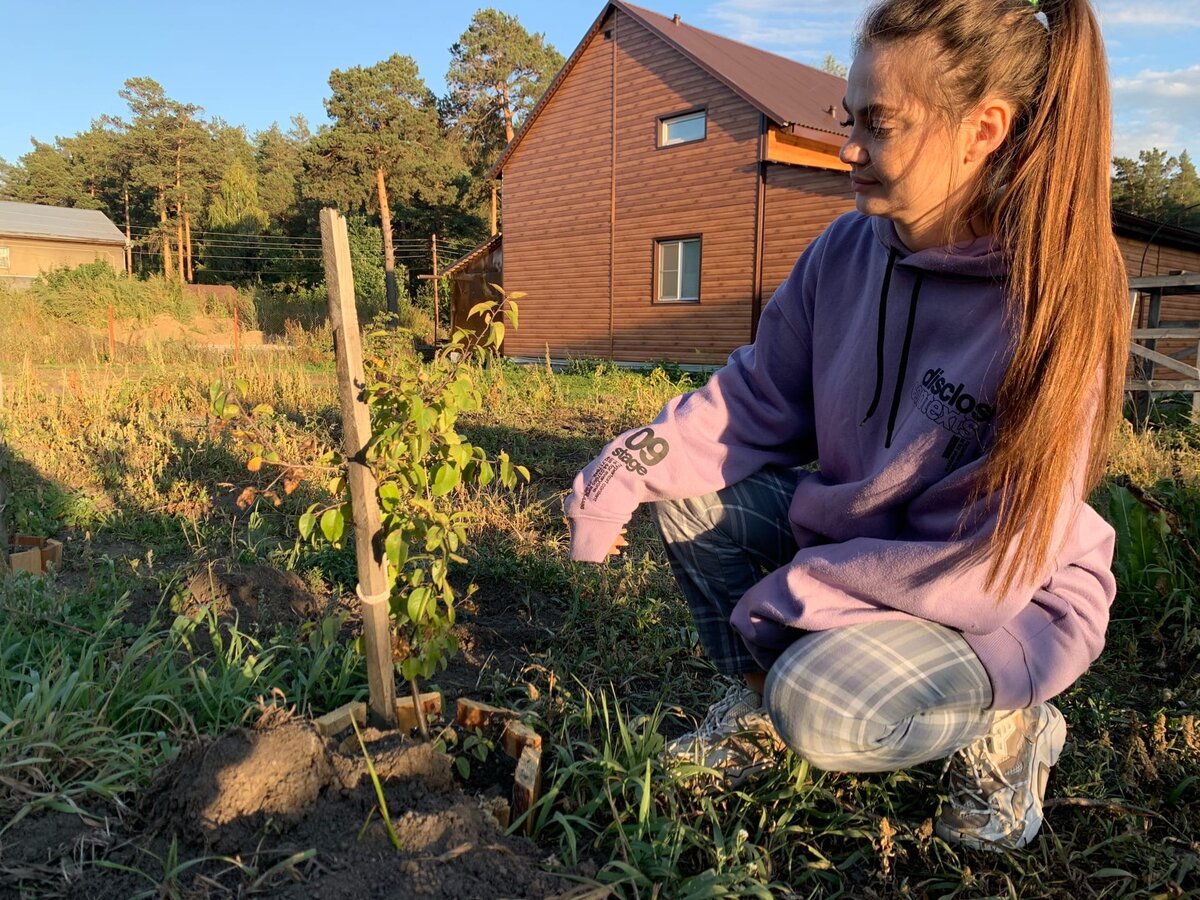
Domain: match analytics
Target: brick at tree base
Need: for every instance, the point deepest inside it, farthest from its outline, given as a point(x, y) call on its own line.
point(35, 555)
point(472, 714)
point(527, 784)
point(406, 712)
point(339, 720)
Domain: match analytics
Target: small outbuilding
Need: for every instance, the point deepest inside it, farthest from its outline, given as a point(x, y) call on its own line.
point(36, 239)
point(474, 278)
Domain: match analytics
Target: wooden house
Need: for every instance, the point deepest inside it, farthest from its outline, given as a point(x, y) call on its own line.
point(35, 239)
point(664, 186)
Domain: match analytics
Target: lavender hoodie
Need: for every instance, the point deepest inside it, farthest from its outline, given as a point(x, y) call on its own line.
point(881, 364)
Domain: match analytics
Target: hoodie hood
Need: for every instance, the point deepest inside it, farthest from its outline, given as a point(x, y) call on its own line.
point(980, 258)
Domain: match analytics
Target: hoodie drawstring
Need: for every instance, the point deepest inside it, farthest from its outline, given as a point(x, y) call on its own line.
point(879, 347)
point(887, 280)
point(903, 371)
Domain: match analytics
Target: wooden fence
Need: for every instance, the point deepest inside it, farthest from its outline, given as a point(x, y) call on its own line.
point(1181, 334)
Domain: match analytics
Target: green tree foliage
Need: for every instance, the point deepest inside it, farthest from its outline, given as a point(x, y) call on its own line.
point(279, 164)
point(498, 71)
point(831, 65)
point(385, 144)
point(1158, 186)
point(232, 248)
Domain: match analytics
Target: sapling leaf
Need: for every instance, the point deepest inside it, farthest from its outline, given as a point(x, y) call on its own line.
point(333, 524)
point(308, 521)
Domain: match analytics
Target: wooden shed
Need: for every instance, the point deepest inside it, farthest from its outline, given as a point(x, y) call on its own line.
point(35, 239)
point(662, 189)
point(472, 277)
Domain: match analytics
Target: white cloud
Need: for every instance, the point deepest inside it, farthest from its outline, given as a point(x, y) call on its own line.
point(1138, 14)
point(797, 28)
point(1157, 108)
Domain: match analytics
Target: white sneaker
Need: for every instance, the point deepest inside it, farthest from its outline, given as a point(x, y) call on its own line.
point(736, 738)
point(996, 784)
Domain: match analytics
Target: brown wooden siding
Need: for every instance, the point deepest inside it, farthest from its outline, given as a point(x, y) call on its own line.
point(1159, 260)
point(800, 204)
point(557, 202)
point(706, 188)
point(555, 209)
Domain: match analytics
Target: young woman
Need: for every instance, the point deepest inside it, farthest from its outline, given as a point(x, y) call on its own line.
point(950, 356)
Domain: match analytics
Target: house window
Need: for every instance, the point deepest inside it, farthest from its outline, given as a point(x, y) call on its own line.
point(683, 129)
point(678, 263)
point(4, 258)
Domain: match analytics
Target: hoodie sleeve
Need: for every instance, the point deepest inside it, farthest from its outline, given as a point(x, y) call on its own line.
point(755, 411)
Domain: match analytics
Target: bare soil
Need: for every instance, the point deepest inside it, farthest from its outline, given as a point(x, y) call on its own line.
point(277, 810)
point(281, 810)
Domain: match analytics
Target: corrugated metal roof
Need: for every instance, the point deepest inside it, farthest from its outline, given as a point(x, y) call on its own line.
point(34, 220)
point(471, 255)
point(789, 93)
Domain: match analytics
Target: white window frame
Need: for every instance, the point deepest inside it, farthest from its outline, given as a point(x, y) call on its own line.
point(5, 258)
point(665, 121)
point(660, 296)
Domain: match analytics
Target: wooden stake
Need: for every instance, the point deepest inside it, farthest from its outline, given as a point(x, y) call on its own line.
point(356, 421)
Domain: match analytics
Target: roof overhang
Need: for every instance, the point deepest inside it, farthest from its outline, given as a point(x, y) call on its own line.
point(59, 239)
point(1148, 230)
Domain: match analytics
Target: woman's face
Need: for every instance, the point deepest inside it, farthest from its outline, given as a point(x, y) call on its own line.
point(908, 165)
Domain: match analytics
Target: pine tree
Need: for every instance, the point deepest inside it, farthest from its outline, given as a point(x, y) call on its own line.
point(498, 72)
point(385, 141)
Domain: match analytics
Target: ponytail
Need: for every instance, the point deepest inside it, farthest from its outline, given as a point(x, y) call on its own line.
point(1046, 194)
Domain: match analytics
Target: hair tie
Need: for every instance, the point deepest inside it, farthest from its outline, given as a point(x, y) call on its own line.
point(1034, 3)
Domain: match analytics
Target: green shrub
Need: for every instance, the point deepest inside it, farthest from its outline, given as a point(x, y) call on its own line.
point(82, 295)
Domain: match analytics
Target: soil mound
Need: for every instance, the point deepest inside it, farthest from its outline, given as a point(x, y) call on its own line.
point(301, 818)
point(258, 595)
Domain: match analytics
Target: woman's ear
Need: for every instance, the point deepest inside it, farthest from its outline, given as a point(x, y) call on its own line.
point(987, 129)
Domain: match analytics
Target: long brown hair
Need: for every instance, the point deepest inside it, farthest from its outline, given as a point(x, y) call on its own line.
point(1045, 194)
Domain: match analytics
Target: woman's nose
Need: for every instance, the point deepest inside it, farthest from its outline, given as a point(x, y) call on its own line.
point(852, 153)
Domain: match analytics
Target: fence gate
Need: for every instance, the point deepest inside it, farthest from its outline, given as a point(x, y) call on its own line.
point(1181, 336)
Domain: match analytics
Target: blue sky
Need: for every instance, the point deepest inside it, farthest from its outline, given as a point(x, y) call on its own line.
point(256, 62)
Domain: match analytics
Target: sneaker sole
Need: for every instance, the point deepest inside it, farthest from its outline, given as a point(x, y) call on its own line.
point(1057, 728)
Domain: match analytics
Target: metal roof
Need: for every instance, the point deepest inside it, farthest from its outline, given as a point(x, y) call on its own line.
point(471, 255)
point(34, 220)
point(788, 92)
point(801, 98)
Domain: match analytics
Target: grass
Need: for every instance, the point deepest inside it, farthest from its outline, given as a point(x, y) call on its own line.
point(106, 668)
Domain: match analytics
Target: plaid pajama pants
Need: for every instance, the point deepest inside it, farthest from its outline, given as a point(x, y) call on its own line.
point(872, 697)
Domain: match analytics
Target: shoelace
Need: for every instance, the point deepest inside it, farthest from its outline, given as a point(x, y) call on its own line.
point(717, 713)
point(968, 769)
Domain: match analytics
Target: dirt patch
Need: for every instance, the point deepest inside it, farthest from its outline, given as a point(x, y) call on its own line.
point(300, 818)
point(256, 595)
point(207, 331)
point(500, 633)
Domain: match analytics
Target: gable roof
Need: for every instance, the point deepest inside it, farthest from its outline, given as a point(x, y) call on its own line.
point(471, 255)
point(35, 220)
point(791, 94)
